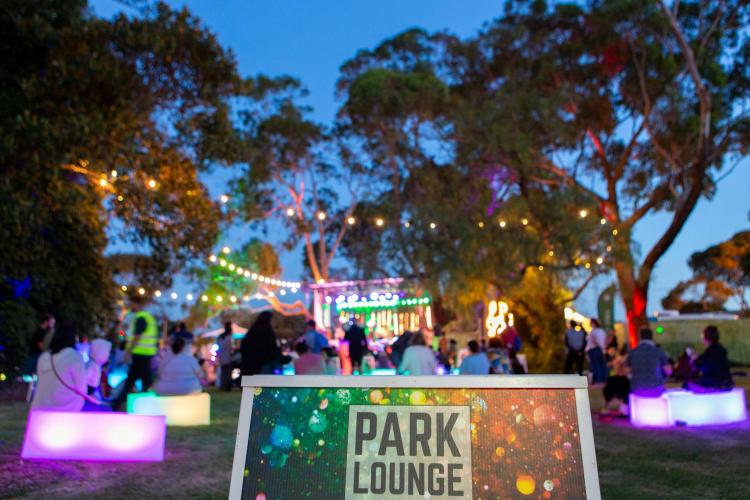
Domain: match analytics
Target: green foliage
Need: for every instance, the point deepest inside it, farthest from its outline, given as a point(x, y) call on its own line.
point(145, 97)
point(254, 257)
point(619, 108)
point(52, 246)
point(717, 277)
point(537, 304)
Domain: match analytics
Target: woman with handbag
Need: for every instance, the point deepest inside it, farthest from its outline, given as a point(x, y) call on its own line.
point(61, 375)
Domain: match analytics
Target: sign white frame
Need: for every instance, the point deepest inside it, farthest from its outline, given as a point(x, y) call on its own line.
point(573, 382)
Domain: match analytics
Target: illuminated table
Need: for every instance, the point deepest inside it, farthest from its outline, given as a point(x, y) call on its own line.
point(687, 408)
point(193, 409)
point(97, 436)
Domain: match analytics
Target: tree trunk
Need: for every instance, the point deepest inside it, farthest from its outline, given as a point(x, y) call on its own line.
point(635, 299)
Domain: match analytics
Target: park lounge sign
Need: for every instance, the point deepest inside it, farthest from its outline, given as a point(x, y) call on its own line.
point(408, 450)
point(414, 437)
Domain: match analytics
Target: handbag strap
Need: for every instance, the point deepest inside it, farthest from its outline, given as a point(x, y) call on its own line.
point(73, 389)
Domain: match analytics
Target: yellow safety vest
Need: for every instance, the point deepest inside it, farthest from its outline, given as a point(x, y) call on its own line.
point(147, 344)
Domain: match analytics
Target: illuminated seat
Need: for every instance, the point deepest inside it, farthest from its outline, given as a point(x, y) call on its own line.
point(688, 408)
point(193, 409)
point(97, 436)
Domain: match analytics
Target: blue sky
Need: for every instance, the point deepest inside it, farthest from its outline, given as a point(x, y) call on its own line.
point(310, 39)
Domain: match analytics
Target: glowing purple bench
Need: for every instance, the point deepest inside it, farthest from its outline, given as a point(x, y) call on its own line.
point(94, 436)
point(688, 408)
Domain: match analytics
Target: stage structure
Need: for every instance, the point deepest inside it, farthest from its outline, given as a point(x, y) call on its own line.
point(385, 307)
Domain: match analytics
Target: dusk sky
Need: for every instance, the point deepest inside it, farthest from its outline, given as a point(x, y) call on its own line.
point(310, 39)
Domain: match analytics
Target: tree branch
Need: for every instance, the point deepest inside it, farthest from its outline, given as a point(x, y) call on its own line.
point(704, 96)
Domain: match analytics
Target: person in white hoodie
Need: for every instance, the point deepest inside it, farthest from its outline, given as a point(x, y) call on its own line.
point(99, 351)
point(61, 375)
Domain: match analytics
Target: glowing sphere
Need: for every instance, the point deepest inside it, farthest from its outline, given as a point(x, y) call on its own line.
point(318, 422)
point(417, 398)
point(376, 396)
point(525, 484)
point(343, 396)
point(549, 485)
point(543, 415)
point(281, 437)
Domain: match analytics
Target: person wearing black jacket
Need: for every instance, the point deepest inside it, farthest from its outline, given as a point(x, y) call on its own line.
point(713, 365)
point(260, 353)
point(357, 339)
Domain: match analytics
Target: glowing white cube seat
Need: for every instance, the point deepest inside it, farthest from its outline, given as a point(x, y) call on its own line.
point(193, 409)
point(688, 408)
point(101, 436)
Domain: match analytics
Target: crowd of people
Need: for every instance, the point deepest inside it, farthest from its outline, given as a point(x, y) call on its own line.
point(646, 369)
point(71, 375)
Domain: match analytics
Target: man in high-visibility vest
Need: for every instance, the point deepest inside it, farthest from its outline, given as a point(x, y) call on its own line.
point(142, 346)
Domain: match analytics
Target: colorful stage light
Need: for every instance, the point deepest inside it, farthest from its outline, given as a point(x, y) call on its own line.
point(94, 436)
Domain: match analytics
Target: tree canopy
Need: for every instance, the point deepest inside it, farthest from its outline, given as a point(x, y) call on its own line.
point(718, 276)
point(104, 127)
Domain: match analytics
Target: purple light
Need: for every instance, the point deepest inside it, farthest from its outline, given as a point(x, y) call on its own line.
point(114, 437)
point(714, 408)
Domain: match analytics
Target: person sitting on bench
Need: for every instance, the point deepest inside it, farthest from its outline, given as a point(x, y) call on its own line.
point(179, 374)
point(713, 364)
point(62, 374)
point(649, 367)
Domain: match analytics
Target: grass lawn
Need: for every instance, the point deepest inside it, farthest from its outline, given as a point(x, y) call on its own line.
point(633, 463)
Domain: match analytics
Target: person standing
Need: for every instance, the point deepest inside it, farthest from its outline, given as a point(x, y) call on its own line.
point(575, 343)
point(418, 358)
point(315, 340)
point(143, 338)
point(649, 367)
point(597, 343)
point(183, 333)
point(260, 352)
point(511, 339)
point(357, 339)
point(475, 363)
point(226, 351)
